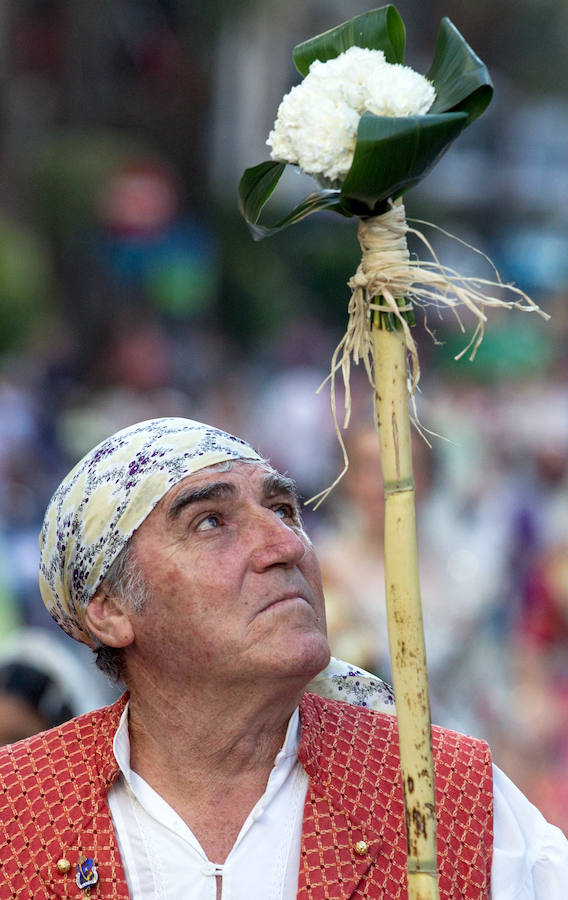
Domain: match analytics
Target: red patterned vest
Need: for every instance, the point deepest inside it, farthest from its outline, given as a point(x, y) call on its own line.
point(53, 806)
point(355, 794)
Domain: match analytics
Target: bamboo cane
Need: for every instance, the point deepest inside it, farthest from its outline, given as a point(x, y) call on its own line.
point(404, 611)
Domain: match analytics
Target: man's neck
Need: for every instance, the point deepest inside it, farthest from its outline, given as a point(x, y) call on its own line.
point(209, 756)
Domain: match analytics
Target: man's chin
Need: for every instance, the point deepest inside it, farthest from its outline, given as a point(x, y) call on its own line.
point(309, 656)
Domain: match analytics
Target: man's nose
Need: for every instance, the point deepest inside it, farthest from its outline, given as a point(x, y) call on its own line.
point(275, 543)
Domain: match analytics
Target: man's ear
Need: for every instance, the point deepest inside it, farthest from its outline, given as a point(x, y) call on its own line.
point(107, 619)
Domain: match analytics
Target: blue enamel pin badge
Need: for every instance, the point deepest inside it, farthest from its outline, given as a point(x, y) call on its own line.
point(87, 874)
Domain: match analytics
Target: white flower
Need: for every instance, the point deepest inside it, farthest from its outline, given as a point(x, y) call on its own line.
point(316, 132)
point(317, 121)
point(346, 76)
point(399, 91)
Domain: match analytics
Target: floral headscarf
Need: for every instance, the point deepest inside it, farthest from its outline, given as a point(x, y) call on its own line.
point(107, 496)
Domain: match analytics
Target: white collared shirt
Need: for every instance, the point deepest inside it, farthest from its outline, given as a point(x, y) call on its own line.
point(163, 859)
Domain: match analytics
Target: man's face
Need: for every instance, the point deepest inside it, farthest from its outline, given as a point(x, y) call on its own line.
point(234, 581)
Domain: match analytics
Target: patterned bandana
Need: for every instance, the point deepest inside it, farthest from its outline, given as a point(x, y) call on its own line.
point(105, 498)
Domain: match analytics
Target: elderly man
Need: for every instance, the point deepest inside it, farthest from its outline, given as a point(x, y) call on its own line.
point(178, 554)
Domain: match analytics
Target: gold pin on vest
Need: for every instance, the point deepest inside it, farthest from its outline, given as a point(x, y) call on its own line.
point(361, 848)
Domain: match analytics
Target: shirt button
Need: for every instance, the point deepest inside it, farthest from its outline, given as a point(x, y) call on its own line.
point(210, 868)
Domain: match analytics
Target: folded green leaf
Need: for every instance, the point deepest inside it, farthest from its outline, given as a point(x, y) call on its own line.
point(461, 79)
point(394, 154)
point(378, 29)
point(255, 188)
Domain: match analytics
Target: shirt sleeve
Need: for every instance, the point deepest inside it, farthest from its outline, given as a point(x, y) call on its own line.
point(530, 856)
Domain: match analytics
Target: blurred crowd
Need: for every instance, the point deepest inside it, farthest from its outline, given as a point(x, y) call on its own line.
point(492, 496)
point(128, 292)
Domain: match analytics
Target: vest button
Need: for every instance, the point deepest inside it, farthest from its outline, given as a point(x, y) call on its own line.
point(63, 866)
point(361, 848)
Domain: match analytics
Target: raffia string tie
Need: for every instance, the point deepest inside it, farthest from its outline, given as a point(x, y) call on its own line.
point(388, 280)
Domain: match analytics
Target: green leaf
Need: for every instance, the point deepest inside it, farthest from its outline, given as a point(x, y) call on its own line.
point(393, 154)
point(256, 186)
point(312, 203)
point(379, 29)
point(461, 79)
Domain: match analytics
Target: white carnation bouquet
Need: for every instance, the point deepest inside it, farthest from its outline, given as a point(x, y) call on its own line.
point(317, 122)
point(368, 129)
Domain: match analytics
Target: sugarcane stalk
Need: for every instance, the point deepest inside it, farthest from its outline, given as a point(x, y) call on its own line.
point(404, 610)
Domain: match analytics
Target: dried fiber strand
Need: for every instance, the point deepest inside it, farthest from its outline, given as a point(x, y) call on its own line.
point(388, 280)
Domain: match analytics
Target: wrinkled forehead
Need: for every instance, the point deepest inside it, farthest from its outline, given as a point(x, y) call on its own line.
point(210, 482)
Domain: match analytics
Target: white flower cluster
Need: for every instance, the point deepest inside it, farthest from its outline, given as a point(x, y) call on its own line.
point(316, 125)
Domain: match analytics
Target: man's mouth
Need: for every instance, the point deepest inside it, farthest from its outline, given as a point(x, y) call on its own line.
point(290, 597)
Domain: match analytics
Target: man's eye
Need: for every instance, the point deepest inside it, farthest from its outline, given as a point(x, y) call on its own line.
point(286, 511)
point(208, 523)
